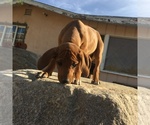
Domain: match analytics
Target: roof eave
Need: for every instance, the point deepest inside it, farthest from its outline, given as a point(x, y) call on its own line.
point(104, 19)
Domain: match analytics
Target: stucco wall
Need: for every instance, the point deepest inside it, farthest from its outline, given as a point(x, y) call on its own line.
point(42, 32)
point(6, 13)
point(114, 29)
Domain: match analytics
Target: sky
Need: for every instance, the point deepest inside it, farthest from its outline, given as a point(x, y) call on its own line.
point(125, 8)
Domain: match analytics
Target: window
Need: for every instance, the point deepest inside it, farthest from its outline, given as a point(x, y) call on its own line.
point(8, 34)
point(5, 35)
point(28, 11)
point(11, 34)
point(121, 56)
point(19, 33)
point(1, 32)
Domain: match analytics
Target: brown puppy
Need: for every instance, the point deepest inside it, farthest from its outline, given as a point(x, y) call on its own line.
point(78, 44)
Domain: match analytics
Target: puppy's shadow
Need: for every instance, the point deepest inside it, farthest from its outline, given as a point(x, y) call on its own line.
point(50, 80)
point(54, 78)
point(31, 76)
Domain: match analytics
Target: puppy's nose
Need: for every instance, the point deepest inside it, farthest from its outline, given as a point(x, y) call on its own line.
point(65, 81)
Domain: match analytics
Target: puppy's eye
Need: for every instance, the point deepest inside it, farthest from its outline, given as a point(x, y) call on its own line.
point(59, 63)
point(74, 65)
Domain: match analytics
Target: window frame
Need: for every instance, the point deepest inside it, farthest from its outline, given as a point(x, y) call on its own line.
point(15, 33)
point(106, 45)
point(18, 25)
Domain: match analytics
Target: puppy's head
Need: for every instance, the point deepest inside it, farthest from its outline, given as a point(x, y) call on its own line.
point(67, 63)
point(70, 61)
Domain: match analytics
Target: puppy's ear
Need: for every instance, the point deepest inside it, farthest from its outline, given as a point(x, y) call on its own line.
point(47, 58)
point(85, 63)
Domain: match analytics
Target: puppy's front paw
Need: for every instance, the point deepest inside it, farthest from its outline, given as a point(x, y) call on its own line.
point(95, 82)
point(77, 82)
point(42, 75)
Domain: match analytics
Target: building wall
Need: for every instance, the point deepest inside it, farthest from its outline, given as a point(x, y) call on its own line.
point(6, 13)
point(114, 29)
point(43, 31)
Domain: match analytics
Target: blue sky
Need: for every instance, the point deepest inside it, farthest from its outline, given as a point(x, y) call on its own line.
point(127, 8)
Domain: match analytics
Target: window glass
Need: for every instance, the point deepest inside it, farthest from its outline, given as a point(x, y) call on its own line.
point(1, 28)
point(20, 34)
point(14, 28)
point(121, 56)
point(8, 36)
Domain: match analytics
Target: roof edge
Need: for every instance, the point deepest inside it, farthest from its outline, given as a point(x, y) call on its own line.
point(98, 18)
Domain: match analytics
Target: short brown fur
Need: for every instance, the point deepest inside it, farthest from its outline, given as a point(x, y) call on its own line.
point(78, 46)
